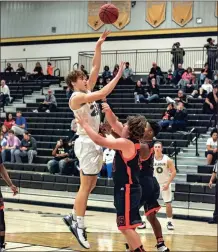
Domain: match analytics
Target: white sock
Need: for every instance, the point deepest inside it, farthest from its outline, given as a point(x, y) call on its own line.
point(169, 219)
point(80, 221)
point(74, 214)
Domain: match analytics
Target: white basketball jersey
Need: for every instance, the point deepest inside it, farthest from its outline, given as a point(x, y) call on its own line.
point(91, 113)
point(161, 172)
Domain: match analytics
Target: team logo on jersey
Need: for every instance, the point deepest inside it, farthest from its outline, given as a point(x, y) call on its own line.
point(94, 109)
point(159, 170)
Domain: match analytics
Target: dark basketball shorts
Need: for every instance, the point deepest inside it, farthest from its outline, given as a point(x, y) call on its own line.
point(150, 195)
point(1, 201)
point(127, 202)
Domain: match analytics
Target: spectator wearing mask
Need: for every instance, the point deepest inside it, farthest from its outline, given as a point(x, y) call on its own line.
point(206, 73)
point(169, 78)
point(115, 71)
point(108, 158)
point(177, 74)
point(49, 104)
point(9, 68)
point(4, 93)
point(212, 52)
point(153, 91)
point(12, 144)
point(82, 68)
point(9, 121)
point(139, 92)
point(210, 104)
point(61, 157)
point(211, 148)
point(21, 69)
point(168, 116)
point(186, 79)
point(50, 69)
point(37, 71)
point(20, 124)
point(106, 73)
point(181, 97)
point(127, 72)
point(28, 147)
point(204, 90)
point(156, 73)
point(180, 118)
point(178, 54)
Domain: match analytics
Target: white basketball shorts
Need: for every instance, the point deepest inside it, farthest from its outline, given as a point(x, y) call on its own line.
point(89, 154)
point(166, 195)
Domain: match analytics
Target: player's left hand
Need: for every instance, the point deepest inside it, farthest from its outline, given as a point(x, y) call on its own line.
point(103, 37)
point(165, 187)
point(14, 189)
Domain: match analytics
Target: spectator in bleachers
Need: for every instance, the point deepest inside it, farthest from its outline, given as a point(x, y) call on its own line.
point(127, 72)
point(61, 157)
point(204, 90)
point(13, 143)
point(169, 78)
point(186, 79)
point(20, 124)
point(3, 141)
point(106, 73)
point(4, 93)
point(206, 72)
point(21, 69)
point(168, 116)
point(4, 131)
point(211, 101)
point(28, 147)
point(38, 70)
point(212, 150)
point(153, 91)
point(108, 158)
point(48, 105)
point(156, 73)
point(82, 68)
point(193, 84)
point(9, 68)
point(50, 69)
point(68, 93)
point(178, 54)
point(9, 121)
point(116, 69)
point(179, 121)
point(181, 97)
point(212, 52)
point(177, 74)
point(139, 92)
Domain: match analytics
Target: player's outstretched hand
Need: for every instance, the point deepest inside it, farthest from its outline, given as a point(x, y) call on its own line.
point(121, 68)
point(105, 107)
point(103, 37)
point(14, 189)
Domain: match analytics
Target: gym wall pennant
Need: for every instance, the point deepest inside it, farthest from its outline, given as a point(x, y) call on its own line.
point(124, 8)
point(93, 14)
point(182, 12)
point(155, 12)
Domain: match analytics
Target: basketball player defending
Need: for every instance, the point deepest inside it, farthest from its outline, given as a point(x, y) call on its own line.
point(126, 170)
point(4, 175)
point(89, 154)
point(165, 172)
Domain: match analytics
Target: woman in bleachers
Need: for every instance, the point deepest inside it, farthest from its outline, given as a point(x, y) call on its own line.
point(116, 69)
point(186, 78)
point(106, 73)
point(204, 90)
point(193, 84)
point(4, 131)
point(139, 92)
point(179, 121)
point(211, 148)
point(211, 101)
point(3, 141)
point(21, 69)
point(37, 71)
point(9, 121)
point(168, 116)
point(206, 72)
point(153, 91)
point(9, 68)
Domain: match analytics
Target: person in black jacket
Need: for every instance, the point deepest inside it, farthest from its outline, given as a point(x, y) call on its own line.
point(168, 116)
point(153, 91)
point(139, 92)
point(211, 102)
point(9, 68)
point(180, 118)
point(21, 69)
point(156, 73)
point(177, 74)
point(206, 72)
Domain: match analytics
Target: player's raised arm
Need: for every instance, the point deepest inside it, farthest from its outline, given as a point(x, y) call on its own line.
point(96, 61)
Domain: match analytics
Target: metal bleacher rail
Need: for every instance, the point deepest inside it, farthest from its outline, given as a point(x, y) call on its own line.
point(141, 59)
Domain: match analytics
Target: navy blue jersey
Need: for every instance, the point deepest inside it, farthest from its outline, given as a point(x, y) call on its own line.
point(147, 168)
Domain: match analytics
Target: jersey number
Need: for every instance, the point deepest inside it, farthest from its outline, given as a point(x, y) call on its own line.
point(159, 170)
point(94, 110)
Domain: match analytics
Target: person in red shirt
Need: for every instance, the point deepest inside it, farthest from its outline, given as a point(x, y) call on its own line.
point(50, 69)
point(9, 121)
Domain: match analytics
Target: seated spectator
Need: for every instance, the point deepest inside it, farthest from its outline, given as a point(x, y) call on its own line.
point(180, 118)
point(12, 144)
point(100, 83)
point(108, 158)
point(37, 71)
point(186, 78)
point(204, 90)
point(82, 68)
point(115, 71)
point(206, 73)
point(212, 151)
point(169, 78)
point(177, 74)
point(49, 104)
point(28, 147)
point(21, 69)
point(181, 97)
point(168, 116)
point(68, 93)
point(4, 131)
point(4, 93)
point(20, 124)
point(153, 91)
point(9, 121)
point(156, 73)
point(3, 141)
point(106, 73)
point(211, 101)
point(193, 85)
point(139, 92)
point(61, 160)
point(9, 68)
point(50, 69)
point(127, 72)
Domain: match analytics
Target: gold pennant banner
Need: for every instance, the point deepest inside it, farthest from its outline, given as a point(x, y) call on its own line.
point(93, 14)
point(216, 10)
point(124, 13)
point(182, 12)
point(155, 13)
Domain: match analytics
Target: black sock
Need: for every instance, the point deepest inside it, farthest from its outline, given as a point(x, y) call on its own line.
point(2, 241)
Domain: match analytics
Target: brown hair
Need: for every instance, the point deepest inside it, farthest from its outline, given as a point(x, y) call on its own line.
point(136, 126)
point(73, 77)
point(11, 131)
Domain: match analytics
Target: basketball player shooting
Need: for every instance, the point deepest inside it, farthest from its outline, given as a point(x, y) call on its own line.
point(89, 154)
point(165, 172)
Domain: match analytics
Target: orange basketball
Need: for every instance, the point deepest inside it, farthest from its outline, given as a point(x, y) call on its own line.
point(108, 13)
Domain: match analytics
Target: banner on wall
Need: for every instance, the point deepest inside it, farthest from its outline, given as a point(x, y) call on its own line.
point(93, 14)
point(216, 10)
point(155, 13)
point(182, 12)
point(124, 13)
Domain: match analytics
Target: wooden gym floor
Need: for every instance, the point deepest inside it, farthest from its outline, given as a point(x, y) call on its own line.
point(35, 228)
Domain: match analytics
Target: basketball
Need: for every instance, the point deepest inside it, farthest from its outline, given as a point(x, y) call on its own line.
point(108, 13)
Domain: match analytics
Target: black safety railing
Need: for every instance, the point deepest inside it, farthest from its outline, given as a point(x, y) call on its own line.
point(174, 154)
point(193, 138)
